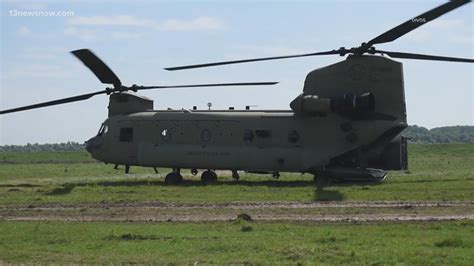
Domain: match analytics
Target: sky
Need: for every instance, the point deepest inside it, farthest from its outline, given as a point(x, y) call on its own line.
point(138, 38)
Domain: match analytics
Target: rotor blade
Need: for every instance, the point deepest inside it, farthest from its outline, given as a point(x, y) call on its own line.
point(97, 66)
point(250, 60)
point(416, 22)
point(425, 57)
point(206, 85)
point(55, 102)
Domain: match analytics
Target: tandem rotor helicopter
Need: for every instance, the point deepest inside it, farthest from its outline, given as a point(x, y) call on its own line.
point(345, 126)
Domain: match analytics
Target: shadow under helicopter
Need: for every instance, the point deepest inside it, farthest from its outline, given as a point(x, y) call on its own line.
point(320, 193)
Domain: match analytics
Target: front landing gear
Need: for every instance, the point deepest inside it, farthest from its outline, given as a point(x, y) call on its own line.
point(208, 176)
point(174, 177)
point(235, 175)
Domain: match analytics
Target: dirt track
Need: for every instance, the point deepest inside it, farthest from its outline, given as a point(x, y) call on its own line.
point(258, 211)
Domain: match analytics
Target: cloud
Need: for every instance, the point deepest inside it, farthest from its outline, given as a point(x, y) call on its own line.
point(270, 50)
point(446, 24)
point(43, 53)
point(121, 35)
point(462, 39)
point(24, 31)
point(89, 35)
point(40, 6)
point(197, 24)
point(83, 34)
point(37, 71)
point(451, 30)
point(123, 20)
point(97, 28)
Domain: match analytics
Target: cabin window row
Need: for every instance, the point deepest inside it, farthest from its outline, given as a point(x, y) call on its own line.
point(126, 135)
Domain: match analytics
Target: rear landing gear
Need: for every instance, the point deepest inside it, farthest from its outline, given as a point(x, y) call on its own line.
point(208, 176)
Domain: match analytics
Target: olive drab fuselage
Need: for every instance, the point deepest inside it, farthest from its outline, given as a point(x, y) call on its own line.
point(253, 140)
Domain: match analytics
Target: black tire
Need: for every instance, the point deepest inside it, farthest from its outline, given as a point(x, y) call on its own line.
point(208, 177)
point(173, 179)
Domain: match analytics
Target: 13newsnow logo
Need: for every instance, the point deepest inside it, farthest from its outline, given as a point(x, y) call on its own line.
point(418, 20)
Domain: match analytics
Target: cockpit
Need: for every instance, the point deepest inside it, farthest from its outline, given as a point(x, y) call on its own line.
point(95, 143)
point(103, 129)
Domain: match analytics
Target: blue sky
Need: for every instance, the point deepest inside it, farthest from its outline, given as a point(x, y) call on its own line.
point(138, 38)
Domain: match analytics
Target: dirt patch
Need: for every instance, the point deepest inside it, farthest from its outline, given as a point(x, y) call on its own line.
point(389, 211)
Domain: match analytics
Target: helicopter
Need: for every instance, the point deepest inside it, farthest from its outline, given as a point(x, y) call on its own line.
point(345, 125)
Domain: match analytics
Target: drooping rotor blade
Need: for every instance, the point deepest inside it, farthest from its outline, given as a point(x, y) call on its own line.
point(425, 57)
point(332, 52)
point(206, 85)
point(55, 102)
point(416, 22)
point(122, 89)
point(97, 66)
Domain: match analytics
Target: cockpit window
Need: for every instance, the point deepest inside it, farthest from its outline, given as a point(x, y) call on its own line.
point(103, 129)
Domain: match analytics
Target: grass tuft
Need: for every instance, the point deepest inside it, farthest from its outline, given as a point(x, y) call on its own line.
point(246, 228)
point(450, 243)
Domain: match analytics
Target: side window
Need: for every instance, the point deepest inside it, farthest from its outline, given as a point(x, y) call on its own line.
point(126, 134)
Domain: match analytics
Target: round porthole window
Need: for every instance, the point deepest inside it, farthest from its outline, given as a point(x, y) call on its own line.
point(166, 135)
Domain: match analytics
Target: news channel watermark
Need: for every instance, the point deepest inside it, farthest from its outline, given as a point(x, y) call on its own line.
point(40, 13)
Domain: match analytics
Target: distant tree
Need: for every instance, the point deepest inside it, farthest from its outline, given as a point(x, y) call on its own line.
point(456, 134)
point(68, 146)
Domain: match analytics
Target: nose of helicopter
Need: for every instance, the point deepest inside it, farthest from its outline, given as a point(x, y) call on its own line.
point(90, 144)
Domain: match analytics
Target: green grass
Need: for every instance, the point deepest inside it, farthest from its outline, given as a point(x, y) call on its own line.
point(437, 172)
point(237, 242)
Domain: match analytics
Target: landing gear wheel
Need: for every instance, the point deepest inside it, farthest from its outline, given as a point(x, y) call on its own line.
point(208, 176)
point(173, 179)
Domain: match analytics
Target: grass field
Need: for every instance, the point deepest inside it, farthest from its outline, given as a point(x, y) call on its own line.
point(437, 173)
point(238, 243)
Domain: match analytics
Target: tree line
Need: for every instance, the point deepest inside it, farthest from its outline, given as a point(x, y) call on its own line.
point(66, 146)
point(455, 134)
point(416, 134)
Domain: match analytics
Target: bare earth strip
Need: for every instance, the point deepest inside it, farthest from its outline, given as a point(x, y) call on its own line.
point(383, 211)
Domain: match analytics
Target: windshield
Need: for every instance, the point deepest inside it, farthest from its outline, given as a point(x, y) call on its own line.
point(103, 129)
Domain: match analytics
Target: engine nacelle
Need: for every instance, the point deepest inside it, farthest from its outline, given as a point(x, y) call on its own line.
point(127, 103)
point(346, 104)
